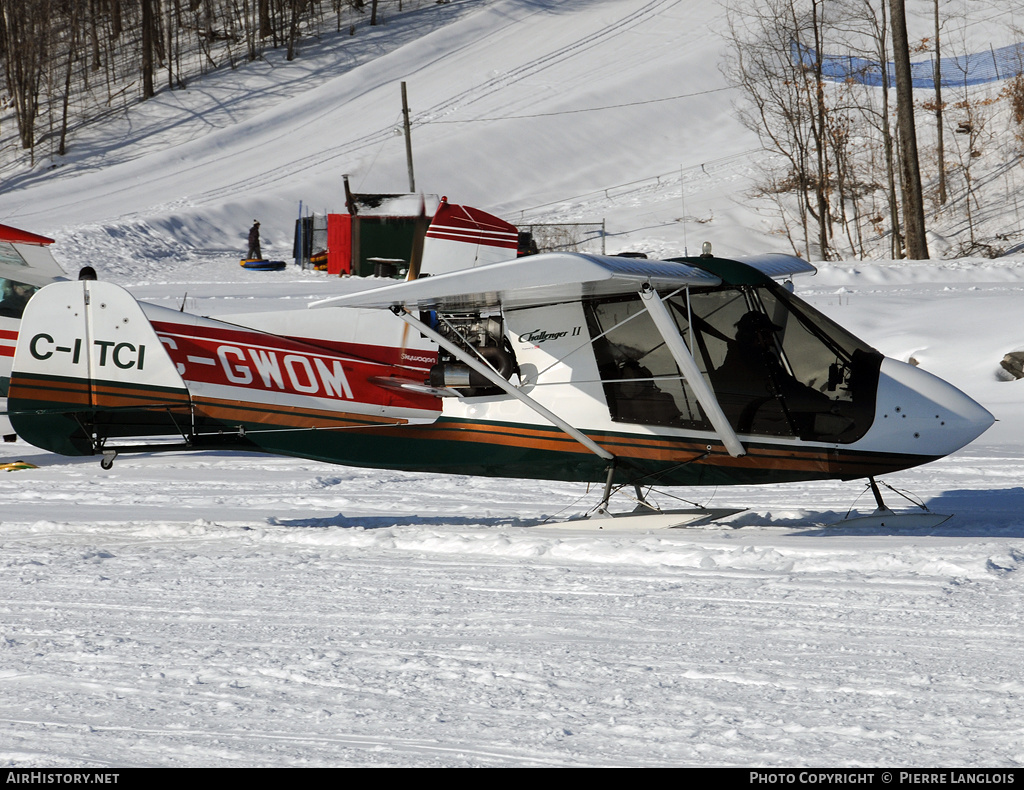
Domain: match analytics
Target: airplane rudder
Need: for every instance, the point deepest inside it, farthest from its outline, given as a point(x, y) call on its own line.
point(87, 355)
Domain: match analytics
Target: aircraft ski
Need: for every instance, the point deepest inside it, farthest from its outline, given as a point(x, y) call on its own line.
point(613, 370)
point(644, 521)
point(890, 519)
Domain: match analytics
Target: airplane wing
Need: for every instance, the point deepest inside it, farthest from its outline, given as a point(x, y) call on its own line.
point(752, 269)
point(528, 282)
point(25, 257)
point(778, 265)
point(541, 280)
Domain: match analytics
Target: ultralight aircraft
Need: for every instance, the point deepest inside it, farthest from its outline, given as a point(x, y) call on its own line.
point(619, 371)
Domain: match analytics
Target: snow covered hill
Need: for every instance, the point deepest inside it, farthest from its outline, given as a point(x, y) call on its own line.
point(229, 610)
point(515, 104)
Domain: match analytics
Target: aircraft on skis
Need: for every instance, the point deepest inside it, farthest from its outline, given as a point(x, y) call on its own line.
point(600, 369)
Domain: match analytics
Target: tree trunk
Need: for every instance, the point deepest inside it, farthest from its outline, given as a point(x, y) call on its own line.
point(94, 34)
point(293, 28)
point(72, 46)
point(913, 200)
point(896, 246)
point(147, 49)
point(938, 111)
point(821, 142)
point(266, 28)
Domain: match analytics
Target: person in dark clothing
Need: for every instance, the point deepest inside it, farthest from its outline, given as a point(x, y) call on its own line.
point(638, 399)
point(254, 242)
point(755, 388)
point(752, 362)
point(14, 296)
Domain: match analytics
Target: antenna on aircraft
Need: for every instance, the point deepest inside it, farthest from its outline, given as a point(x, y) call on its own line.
point(682, 201)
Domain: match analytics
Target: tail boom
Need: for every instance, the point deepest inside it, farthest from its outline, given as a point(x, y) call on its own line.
point(91, 365)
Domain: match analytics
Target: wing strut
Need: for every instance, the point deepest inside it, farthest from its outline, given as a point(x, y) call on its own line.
point(496, 379)
point(684, 359)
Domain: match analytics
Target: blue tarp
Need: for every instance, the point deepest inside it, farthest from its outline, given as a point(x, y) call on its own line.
point(996, 64)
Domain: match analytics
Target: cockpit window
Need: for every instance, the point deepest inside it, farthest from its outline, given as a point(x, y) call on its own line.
point(9, 255)
point(14, 296)
point(776, 365)
point(780, 368)
point(641, 380)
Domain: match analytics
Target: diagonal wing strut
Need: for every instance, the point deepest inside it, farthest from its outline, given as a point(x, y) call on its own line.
point(688, 367)
point(493, 376)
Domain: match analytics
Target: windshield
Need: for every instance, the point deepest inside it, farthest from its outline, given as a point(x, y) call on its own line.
point(776, 365)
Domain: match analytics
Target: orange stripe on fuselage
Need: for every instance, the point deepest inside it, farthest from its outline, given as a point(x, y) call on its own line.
point(812, 461)
point(232, 412)
point(638, 447)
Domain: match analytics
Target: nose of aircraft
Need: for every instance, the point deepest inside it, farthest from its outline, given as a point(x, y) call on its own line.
point(920, 414)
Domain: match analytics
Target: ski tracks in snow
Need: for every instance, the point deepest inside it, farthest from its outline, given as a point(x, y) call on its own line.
point(304, 161)
point(389, 637)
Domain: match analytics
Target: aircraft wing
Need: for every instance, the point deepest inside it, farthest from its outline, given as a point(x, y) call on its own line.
point(528, 282)
point(777, 265)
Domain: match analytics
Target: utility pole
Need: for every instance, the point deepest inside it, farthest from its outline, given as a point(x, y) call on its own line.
point(408, 139)
point(913, 195)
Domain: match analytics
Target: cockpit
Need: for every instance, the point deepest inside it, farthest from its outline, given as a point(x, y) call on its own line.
point(14, 295)
point(777, 367)
point(24, 269)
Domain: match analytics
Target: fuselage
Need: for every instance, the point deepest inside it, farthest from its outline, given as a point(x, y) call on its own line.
point(771, 390)
point(827, 405)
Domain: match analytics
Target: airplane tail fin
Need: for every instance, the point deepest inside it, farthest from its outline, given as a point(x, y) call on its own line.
point(88, 366)
point(463, 237)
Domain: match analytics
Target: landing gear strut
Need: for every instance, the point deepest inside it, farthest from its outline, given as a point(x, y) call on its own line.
point(645, 516)
point(884, 517)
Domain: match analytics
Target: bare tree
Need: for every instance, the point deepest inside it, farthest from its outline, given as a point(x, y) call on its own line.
point(148, 34)
point(940, 143)
point(776, 61)
point(72, 54)
point(26, 27)
point(293, 26)
point(867, 34)
point(913, 196)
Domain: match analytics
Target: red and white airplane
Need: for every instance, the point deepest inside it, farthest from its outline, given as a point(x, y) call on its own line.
point(26, 265)
point(564, 366)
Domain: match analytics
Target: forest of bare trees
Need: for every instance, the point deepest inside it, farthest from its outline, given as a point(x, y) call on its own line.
point(67, 62)
point(841, 170)
point(839, 166)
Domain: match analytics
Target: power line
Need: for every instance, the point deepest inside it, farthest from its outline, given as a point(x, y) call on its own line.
point(588, 109)
point(640, 182)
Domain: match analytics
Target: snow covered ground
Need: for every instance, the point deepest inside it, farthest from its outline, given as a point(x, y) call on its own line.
point(222, 611)
point(241, 610)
